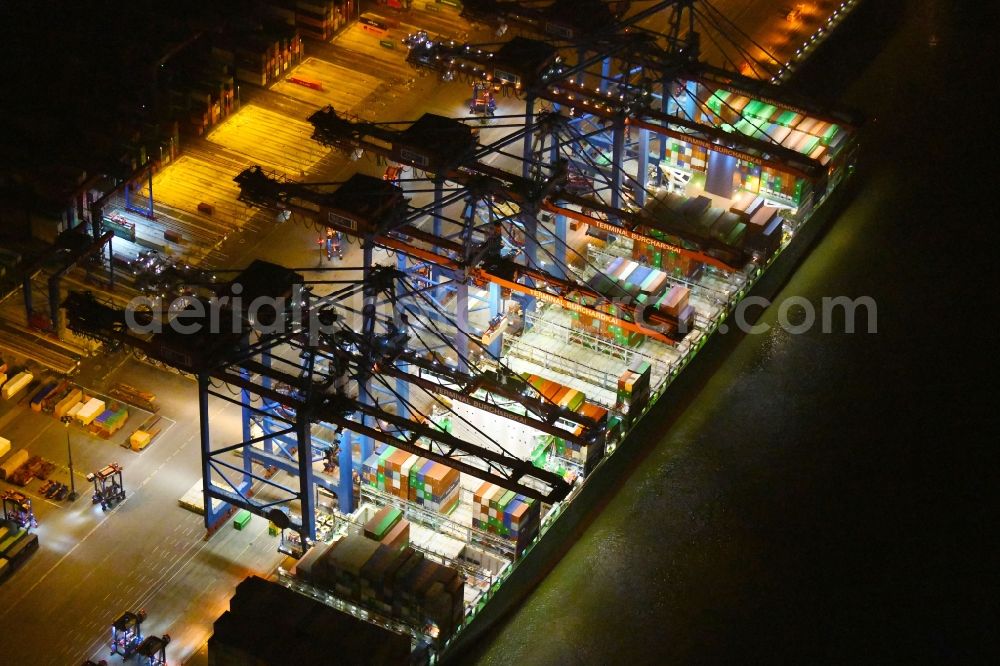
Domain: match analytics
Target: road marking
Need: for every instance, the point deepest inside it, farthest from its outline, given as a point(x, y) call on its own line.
point(167, 429)
point(37, 435)
point(58, 562)
point(161, 583)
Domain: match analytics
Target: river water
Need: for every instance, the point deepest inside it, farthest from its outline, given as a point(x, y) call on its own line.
point(815, 500)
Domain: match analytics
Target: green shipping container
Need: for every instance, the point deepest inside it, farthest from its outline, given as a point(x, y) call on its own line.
point(242, 518)
point(786, 118)
point(384, 521)
point(10, 540)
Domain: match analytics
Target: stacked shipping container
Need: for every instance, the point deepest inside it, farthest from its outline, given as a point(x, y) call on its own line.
point(408, 476)
point(396, 582)
point(199, 88)
point(109, 421)
point(260, 58)
point(505, 513)
point(760, 120)
point(631, 286)
point(315, 19)
point(671, 263)
point(16, 544)
point(388, 527)
point(820, 140)
point(268, 623)
point(634, 390)
point(764, 224)
point(686, 155)
point(572, 400)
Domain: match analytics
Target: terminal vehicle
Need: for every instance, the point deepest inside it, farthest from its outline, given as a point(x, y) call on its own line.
point(483, 103)
point(334, 244)
point(393, 173)
point(108, 486)
point(17, 508)
point(126, 633)
point(153, 650)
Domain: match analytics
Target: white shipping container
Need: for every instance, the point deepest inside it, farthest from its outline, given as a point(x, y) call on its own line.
point(15, 460)
point(14, 386)
point(794, 137)
point(408, 465)
point(627, 270)
point(74, 410)
point(807, 125)
point(90, 411)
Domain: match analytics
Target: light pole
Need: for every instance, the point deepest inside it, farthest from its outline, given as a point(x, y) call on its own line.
point(66, 420)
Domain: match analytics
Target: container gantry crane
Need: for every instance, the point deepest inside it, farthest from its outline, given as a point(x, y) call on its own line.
point(566, 146)
point(289, 381)
point(471, 254)
point(543, 190)
point(630, 85)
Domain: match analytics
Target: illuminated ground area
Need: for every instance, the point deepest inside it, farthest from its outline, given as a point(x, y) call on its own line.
point(195, 197)
point(275, 142)
point(339, 86)
point(147, 552)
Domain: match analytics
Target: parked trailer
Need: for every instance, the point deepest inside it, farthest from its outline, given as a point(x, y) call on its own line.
point(90, 411)
point(36, 400)
point(55, 395)
point(16, 383)
point(375, 25)
point(15, 460)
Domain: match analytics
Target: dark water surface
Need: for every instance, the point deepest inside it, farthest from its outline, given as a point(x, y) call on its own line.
point(822, 499)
